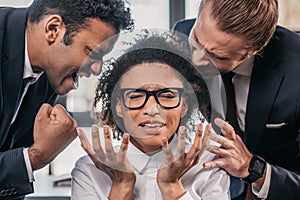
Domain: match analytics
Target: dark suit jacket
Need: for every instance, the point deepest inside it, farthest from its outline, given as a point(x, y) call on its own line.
point(274, 98)
point(14, 137)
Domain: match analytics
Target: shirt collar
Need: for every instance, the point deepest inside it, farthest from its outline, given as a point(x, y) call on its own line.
point(245, 69)
point(28, 72)
point(140, 160)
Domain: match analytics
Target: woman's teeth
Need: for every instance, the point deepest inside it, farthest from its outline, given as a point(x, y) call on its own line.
point(153, 125)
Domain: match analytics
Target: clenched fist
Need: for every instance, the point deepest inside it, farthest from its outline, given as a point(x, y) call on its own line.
point(54, 129)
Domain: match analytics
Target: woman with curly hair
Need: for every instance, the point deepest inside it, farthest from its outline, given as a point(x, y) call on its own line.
point(154, 96)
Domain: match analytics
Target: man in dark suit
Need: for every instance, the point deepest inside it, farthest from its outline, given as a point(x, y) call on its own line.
point(242, 37)
point(50, 44)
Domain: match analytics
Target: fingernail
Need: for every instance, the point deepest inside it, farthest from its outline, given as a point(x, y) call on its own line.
point(217, 120)
point(78, 132)
point(181, 129)
point(200, 127)
point(105, 130)
point(164, 139)
point(209, 126)
point(94, 128)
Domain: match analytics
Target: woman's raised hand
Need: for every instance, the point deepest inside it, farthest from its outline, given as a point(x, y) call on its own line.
point(175, 166)
point(115, 164)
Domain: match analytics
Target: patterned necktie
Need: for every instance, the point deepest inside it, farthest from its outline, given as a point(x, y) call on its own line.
point(249, 194)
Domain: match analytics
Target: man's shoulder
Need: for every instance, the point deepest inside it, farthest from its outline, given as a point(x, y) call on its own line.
point(9, 13)
point(285, 39)
point(5, 12)
point(84, 163)
point(11, 19)
point(184, 26)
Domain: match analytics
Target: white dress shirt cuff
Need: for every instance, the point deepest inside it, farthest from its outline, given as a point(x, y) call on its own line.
point(28, 165)
point(263, 192)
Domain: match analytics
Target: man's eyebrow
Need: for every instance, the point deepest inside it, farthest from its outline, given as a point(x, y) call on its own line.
point(94, 53)
point(209, 52)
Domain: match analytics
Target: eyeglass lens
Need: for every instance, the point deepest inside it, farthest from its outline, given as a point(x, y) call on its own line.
point(137, 98)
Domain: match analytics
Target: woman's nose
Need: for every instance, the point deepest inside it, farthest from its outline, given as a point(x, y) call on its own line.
point(151, 107)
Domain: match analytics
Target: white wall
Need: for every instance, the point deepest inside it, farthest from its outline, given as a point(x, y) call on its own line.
point(15, 3)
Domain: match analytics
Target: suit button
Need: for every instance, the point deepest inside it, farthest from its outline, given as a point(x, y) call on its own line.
point(14, 191)
point(3, 192)
point(8, 192)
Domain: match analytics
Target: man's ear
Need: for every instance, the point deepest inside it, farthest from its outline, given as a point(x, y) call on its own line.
point(53, 28)
point(119, 109)
point(185, 108)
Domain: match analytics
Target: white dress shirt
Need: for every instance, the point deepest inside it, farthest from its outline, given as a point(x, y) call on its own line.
point(28, 72)
point(241, 82)
point(90, 183)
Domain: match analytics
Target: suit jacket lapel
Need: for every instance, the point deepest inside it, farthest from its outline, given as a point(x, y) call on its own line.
point(12, 68)
point(264, 87)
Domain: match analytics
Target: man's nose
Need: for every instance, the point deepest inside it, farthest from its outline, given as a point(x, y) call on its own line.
point(200, 57)
point(96, 67)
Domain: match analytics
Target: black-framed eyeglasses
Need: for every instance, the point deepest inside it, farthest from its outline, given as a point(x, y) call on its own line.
point(134, 98)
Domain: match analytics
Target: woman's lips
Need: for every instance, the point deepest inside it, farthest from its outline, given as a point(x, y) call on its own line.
point(151, 128)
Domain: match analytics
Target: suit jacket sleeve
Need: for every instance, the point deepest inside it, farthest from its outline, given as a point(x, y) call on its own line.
point(13, 177)
point(14, 180)
point(284, 184)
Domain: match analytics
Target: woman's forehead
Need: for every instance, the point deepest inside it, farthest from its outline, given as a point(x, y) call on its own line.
point(151, 74)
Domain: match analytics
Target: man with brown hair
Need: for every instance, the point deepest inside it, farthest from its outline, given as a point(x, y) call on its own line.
point(242, 37)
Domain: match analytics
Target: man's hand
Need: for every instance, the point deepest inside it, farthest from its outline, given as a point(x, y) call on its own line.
point(54, 130)
point(234, 156)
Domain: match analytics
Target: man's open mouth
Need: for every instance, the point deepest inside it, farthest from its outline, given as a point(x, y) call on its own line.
point(75, 80)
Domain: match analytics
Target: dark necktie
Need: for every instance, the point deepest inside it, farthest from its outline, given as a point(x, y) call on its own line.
point(25, 82)
point(231, 104)
point(249, 194)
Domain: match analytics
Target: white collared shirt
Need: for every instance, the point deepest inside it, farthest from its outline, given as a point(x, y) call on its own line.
point(88, 182)
point(241, 82)
point(28, 72)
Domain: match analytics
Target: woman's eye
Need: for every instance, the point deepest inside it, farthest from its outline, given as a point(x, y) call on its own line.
point(168, 95)
point(135, 95)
